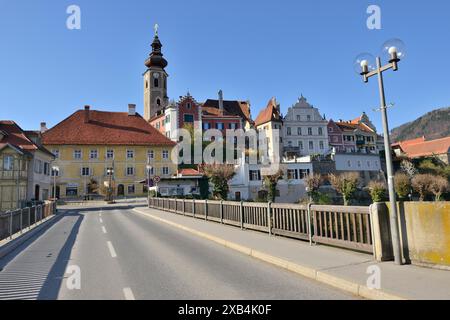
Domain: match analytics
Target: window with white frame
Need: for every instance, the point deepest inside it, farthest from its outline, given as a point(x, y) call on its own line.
point(77, 154)
point(165, 154)
point(130, 154)
point(56, 153)
point(292, 174)
point(299, 131)
point(130, 171)
point(320, 132)
point(131, 189)
point(109, 154)
point(151, 154)
point(85, 171)
point(311, 145)
point(310, 131)
point(321, 145)
point(254, 175)
point(349, 163)
point(8, 163)
point(93, 154)
point(165, 171)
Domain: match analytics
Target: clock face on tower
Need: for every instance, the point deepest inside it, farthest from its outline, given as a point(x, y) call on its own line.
point(156, 75)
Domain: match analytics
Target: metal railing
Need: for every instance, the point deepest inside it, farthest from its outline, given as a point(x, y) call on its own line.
point(345, 227)
point(20, 220)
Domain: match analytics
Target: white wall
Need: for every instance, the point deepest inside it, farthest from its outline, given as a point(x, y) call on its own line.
point(357, 162)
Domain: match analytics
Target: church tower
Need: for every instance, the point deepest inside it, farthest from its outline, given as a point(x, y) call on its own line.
point(155, 81)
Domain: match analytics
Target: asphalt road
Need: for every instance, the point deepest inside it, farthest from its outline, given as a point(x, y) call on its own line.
point(119, 254)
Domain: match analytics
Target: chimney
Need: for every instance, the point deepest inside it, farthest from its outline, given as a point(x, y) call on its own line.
point(131, 109)
point(86, 114)
point(43, 127)
point(221, 101)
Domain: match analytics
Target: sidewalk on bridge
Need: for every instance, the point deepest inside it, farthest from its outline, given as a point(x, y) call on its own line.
point(340, 268)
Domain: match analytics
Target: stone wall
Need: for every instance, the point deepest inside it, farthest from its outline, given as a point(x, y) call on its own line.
point(424, 233)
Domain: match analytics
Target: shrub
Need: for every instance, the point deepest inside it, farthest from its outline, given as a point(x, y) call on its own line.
point(402, 185)
point(421, 184)
point(438, 186)
point(313, 183)
point(345, 184)
point(219, 175)
point(271, 182)
point(323, 199)
point(377, 191)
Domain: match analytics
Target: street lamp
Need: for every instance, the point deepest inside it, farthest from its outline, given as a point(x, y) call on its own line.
point(148, 167)
point(55, 170)
point(110, 172)
point(395, 50)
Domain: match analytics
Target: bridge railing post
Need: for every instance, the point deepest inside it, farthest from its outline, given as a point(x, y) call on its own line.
point(10, 224)
point(269, 217)
point(242, 214)
point(206, 209)
point(221, 211)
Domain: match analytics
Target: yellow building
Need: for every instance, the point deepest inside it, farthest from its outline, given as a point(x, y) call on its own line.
point(90, 143)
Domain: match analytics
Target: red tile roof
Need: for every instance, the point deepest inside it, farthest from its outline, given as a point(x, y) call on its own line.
point(189, 172)
point(349, 126)
point(18, 138)
point(104, 128)
point(417, 148)
point(238, 108)
point(270, 113)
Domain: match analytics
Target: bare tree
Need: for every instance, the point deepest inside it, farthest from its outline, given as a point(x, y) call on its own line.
point(421, 184)
point(313, 182)
point(345, 184)
point(219, 175)
point(271, 182)
point(438, 186)
point(377, 191)
point(402, 185)
point(408, 168)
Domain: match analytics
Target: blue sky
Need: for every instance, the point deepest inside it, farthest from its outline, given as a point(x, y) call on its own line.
point(252, 50)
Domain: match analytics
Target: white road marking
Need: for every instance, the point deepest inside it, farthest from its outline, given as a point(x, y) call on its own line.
point(111, 250)
point(128, 294)
point(104, 230)
point(101, 220)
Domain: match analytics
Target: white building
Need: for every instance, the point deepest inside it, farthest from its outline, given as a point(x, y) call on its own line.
point(304, 130)
point(248, 182)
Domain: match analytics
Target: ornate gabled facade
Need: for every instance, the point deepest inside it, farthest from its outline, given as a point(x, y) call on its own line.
point(358, 135)
point(305, 130)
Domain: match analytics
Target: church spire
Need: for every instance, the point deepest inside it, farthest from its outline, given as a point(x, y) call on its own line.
point(156, 57)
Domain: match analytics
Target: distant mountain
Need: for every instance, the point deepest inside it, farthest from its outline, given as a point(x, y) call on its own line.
point(433, 125)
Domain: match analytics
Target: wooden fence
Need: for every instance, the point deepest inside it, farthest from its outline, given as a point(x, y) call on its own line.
point(345, 227)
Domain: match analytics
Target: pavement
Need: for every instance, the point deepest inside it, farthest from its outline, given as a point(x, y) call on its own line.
point(356, 273)
point(123, 252)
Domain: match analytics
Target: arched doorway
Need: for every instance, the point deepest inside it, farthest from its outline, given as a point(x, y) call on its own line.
point(120, 190)
point(37, 190)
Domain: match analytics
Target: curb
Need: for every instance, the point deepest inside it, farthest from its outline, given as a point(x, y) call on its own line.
point(325, 278)
point(13, 244)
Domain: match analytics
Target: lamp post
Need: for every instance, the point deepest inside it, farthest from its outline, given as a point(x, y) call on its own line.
point(110, 172)
point(55, 170)
point(395, 50)
point(148, 167)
